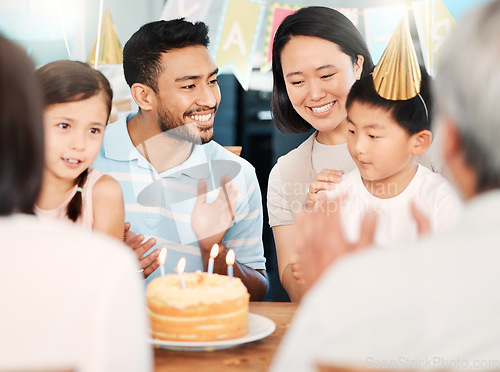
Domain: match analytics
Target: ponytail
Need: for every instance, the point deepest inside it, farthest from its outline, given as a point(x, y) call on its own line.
point(74, 209)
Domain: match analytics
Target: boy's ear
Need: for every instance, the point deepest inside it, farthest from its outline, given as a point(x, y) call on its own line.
point(143, 96)
point(421, 141)
point(358, 66)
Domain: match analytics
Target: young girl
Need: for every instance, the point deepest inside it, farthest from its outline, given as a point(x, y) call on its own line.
point(77, 101)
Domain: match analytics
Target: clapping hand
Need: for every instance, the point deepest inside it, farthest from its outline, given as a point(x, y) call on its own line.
point(320, 238)
point(210, 221)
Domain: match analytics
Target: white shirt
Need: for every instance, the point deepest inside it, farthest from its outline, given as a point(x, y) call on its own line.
point(69, 300)
point(432, 194)
point(432, 305)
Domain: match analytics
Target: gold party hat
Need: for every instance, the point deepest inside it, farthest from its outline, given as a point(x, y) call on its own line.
point(397, 74)
point(110, 49)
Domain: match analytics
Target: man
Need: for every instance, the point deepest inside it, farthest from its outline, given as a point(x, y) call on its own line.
point(163, 155)
point(433, 304)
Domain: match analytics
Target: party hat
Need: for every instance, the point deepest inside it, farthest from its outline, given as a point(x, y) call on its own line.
point(397, 74)
point(110, 49)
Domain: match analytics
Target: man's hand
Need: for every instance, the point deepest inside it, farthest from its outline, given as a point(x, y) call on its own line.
point(321, 241)
point(210, 222)
point(148, 263)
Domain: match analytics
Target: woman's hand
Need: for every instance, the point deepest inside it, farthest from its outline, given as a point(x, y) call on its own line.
point(324, 181)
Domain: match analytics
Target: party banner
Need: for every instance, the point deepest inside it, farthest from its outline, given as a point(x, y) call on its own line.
point(434, 22)
point(380, 24)
point(192, 10)
point(277, 13)
point(237, 37)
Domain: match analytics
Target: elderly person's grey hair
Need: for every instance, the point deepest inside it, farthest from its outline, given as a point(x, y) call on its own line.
point(467, 90)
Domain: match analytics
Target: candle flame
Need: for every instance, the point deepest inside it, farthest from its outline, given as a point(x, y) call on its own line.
point(215, 251)
point(230, 257)
point(181, 265)
point(162, 256)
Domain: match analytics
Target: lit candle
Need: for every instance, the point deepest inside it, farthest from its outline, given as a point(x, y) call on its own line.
point(180, 270)
point(161, 260)
point(213, 254)
point(230, 263)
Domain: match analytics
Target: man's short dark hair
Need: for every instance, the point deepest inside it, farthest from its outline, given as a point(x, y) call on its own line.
point(142, 52)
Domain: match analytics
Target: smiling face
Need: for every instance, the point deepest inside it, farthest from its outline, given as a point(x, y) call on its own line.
point(383, 150)
point(188, 94)
point(318, 77)
point(73, 136)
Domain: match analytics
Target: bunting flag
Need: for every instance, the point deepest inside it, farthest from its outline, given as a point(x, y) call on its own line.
point(380, 24)
point(277, 13)
point(110, 49)
point(434, 22)
point(192, 10)
point(237, 38)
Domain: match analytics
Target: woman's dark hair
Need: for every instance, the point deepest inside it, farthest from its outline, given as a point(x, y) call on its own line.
point(143, 51)
point(70, 81)
point(412, 114)
point(322, 22)
point(21, 132)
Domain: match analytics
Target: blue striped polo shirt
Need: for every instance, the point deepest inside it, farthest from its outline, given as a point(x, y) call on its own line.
point(159, 205)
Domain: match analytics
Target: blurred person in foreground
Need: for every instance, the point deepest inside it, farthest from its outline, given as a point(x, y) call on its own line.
point(70, 300)
point(435, 304)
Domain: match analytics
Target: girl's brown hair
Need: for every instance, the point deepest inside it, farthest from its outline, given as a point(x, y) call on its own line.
point(70, 81)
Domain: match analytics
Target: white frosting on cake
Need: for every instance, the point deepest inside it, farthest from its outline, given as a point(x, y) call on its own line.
point(200, 289)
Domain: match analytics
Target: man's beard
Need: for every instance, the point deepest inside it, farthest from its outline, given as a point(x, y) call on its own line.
point(186, 132)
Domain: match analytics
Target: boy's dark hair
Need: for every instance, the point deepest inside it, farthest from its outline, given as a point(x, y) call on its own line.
point(70, 81)
point(21, 132)
point(324, 23)
point(412, 115)
point(143, 51)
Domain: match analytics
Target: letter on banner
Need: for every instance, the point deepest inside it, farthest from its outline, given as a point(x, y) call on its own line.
point(380, 24)
point(192, 10)
point(434, 22)
point(237, 38)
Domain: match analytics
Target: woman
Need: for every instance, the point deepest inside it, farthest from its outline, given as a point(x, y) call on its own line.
point(318, 54)
point(70, 300)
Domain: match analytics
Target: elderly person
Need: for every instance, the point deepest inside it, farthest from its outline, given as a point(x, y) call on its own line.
point(434, 304)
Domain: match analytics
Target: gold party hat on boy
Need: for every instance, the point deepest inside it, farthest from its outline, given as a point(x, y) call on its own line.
point(397, 74)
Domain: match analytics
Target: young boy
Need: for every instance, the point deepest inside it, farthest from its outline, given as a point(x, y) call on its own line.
point(384, 137)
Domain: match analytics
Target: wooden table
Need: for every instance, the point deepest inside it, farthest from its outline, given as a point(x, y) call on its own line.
point(254, 356)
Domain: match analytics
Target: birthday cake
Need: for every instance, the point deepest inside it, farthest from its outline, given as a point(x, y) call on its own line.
point(209, 308)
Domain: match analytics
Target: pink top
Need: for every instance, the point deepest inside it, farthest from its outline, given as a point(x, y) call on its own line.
point(86, 219)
